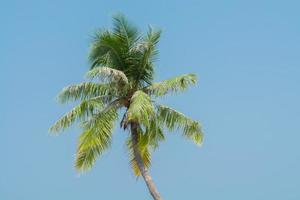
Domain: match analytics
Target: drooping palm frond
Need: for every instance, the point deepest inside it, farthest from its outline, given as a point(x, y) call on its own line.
point(173, 119)
point(81, 112)
point(95, 139)
point(107, 74)
point(86, 90)
point(154, 133)
point(141, 108)
point(176, 84)
point(112, 107)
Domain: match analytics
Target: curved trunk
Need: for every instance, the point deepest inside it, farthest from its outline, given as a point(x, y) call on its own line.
point(144, 172)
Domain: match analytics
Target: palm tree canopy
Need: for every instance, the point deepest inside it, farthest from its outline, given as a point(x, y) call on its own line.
point(121, 76)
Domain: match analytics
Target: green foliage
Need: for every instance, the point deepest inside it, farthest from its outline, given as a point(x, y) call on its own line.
point(140, 109)
point(176, 84)
point(85, 91)
point(107, 74)
point(173, 119)
point(85, 109)
point(121, 76)
point(95, 139)
point(145, 52)
point(124, 48)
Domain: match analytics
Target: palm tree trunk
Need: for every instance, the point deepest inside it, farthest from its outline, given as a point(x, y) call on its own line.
point(144, 171)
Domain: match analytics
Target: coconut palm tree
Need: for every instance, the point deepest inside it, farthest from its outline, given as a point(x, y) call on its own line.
point(120, 84)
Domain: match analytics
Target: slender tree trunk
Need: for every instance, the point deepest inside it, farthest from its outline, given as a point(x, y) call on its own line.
point(144, 171)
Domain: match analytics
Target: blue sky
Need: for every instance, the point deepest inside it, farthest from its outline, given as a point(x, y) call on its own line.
point(246, 54)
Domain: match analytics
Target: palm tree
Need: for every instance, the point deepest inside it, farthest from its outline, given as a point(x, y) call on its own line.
point(120, 82)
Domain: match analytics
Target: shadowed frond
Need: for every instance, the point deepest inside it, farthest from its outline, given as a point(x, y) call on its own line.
point(95, 139)
point(106, 51)
point(141, 108)
point(154, 132)
point(85, 91)
point(145, 52)
point(111, 48)
point(127, 33)
point(176, 84)
point(107, 74)
point(173, 119)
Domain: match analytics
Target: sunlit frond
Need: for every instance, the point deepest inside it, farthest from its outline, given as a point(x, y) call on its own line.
point(173, 119)
point(107, 74)
point(176, 84)
point(150, 45)
point(141, 108)
point(95, 139)
point(112, 107)
point(81, 112)
point(85, 91)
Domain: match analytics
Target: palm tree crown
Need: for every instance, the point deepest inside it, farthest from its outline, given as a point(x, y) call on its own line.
point(120, 81)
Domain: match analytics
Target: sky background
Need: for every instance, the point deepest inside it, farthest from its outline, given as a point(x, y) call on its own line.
point(246, 54)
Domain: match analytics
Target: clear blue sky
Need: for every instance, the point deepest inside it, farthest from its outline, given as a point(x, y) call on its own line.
point(246, 54)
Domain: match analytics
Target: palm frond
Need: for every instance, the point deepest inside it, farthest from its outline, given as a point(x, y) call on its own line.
point(106, 51)
point(85, 91)
point(141, 108)
point(173, 119)
point(151, 42)
point(81, 112)
point(107, 74)
point(154, 132)
point(176, 84)
point(95, 139)
point(144, 53)
point(113, 107)
point(127, 33)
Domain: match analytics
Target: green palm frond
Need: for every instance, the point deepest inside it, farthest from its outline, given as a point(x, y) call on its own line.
point(154, 132)
point(106, 51)
point(95, 139)
point(141, 108)
point(176, 84)
point(112, 107)
point(107, 74)
point(145, 53)
point(127, 33)
point(173, 119)
point(85, 91)
point(111, 48)
point(81, 112)
point(150, 47)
